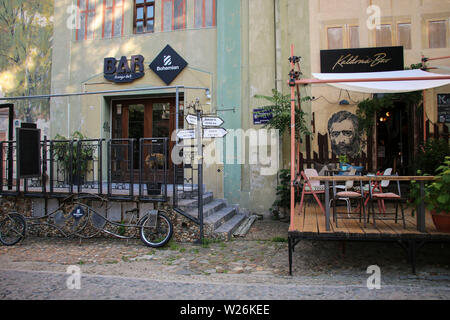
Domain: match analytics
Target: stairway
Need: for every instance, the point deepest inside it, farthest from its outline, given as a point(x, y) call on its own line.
point(220, 220)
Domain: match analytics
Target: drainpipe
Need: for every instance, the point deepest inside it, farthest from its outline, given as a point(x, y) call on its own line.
point(277, 39)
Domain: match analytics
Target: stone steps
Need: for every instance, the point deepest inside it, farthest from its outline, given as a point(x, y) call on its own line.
point(220, 219)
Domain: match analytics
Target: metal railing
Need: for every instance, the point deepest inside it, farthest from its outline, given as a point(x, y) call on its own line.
point(135, 171)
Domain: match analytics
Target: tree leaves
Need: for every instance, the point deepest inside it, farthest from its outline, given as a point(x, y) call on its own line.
point(25, 53)
point(280, 107)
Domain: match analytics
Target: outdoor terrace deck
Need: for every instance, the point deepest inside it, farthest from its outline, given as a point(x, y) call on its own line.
point(311, 224)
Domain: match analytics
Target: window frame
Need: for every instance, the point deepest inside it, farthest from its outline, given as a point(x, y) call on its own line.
point(203, 9)
point(397, 34)
point(392, 33)
point(346, 39)
point(447, 31)
point(113, 10)
point(85, 11)
point(172, 27)
point(145, 18)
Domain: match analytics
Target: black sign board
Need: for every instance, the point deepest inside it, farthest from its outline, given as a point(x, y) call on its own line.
point(123, 72)
point(443, 104)
point(362, 60)
point(168, 65)
point(28, 156)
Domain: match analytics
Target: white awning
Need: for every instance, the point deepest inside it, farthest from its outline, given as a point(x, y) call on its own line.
point(384, 86)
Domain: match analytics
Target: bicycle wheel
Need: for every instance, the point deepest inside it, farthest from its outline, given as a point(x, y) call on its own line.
point(156, 236)
point(12, 229)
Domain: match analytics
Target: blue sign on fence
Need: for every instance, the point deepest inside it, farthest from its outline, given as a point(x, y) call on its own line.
point(78, 213)
point(261, 116)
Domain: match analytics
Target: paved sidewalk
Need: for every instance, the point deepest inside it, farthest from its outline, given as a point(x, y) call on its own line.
point(50, 286)
point(259, 258)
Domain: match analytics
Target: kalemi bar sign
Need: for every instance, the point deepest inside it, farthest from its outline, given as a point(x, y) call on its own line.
point(362, 60)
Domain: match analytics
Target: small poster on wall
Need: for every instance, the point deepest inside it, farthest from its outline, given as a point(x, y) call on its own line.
point(443, 104)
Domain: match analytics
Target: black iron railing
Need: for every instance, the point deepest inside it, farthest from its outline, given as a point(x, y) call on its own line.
point(78, 166)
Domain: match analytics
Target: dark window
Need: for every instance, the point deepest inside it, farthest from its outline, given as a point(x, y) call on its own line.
point(144, 16)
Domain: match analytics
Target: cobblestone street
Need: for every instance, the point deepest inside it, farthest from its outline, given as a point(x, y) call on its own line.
point(321, 269)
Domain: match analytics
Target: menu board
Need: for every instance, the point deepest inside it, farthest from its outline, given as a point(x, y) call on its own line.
point(443, 105)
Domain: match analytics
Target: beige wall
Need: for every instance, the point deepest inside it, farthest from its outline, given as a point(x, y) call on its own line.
point(335, 12)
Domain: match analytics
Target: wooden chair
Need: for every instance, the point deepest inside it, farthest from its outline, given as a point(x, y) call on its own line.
point(313, 188)
point(386, 196)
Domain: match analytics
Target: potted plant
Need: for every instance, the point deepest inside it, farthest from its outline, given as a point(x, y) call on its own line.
point(64, 154)
point(343, 161)
point(437, 196)
point(280, 207)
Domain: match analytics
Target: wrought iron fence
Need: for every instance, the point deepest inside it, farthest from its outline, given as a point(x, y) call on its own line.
point(135, 171)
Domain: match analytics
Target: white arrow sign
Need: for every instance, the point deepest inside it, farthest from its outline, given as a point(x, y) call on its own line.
point(214, 133)
point(186, 134)
point(191, 119)
point(212, 121)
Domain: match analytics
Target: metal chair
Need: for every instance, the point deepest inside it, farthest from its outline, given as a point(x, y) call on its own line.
point(313, 188)
point(345, 187)
point(348, 195)
point(386, 196)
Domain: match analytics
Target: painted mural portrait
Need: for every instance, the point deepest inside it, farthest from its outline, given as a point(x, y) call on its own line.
point(343, 131)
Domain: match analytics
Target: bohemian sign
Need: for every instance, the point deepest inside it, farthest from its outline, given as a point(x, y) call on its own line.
point(123, 72)
point(168, 65)
point(362, 60)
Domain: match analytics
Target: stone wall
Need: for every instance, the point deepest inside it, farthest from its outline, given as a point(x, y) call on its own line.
point(184, 230)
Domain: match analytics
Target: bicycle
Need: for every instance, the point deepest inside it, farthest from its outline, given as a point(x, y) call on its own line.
point(73, 218)
point(12, 229)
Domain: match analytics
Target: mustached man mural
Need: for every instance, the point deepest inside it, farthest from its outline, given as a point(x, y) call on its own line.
point(343, 132)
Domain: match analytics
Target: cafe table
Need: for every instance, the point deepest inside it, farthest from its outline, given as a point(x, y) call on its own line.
point(371, 178)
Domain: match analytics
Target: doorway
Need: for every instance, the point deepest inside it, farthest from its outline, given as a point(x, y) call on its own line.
point(145, 118)
point(394, 139)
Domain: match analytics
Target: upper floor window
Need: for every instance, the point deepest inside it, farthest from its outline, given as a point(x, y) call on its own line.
point(404, 35)
point(388, 34)
point(112, 18)
point(383, 37)
point(86, 17)
point(205, 13)
point(346, 36)
point(174, 15)
point(144, 16)
point(437, 34)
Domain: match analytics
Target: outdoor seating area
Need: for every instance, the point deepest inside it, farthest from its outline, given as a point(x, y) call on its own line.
point(366, 207)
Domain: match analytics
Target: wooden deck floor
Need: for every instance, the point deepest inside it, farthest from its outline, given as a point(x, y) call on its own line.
point(311, 223)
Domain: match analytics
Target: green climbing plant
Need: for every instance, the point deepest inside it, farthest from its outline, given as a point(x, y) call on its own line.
point(280, 108)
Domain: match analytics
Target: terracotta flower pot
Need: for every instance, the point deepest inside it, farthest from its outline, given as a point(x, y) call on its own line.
point(441, 221)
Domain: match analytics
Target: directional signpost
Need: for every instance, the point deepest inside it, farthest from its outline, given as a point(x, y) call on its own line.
point(205, 122)
point(212, 121)
point(212, 130)
point(186, 134)
point(214, 133)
